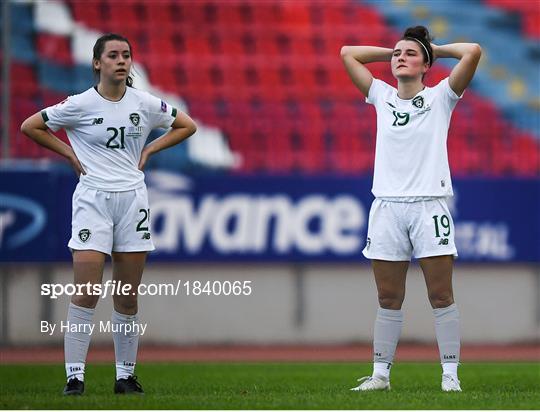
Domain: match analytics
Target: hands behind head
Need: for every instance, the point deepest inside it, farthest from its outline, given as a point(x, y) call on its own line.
point(434, 47)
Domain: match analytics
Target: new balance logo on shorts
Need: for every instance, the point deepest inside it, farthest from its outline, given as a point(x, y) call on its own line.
point(443, 242)
point(97, 120)
point(145, 236)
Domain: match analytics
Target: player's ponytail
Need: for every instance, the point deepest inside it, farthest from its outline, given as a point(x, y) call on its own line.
point(100, 46)
point(421, 35)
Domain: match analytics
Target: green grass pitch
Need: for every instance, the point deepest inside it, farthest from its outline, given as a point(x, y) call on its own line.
point(274, 386)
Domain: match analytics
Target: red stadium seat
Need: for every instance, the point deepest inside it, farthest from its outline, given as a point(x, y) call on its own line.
point(529, 11)
point(55, 48)
point(23, 81)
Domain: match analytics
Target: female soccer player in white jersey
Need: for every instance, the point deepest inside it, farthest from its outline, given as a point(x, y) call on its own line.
point(409, 215)
point(107, 126)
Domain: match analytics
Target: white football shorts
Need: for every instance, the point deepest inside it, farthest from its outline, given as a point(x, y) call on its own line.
point(110, 221)
point(399, 230)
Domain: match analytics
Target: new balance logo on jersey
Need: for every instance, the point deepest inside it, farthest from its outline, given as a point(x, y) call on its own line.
point(145, 236)
point(135, 118)
point(443, 242)
point(97, 120)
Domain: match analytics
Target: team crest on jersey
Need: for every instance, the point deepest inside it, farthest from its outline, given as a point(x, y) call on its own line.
point(135, 118)
point(418, 101)
point(84, 235)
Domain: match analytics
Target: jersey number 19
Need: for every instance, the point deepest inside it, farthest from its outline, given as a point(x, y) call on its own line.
point(400, 119)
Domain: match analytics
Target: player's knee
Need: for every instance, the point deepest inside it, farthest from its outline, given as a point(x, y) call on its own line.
point(85, 301)
point(390, 302)
point(125, 304)
point(441, 299)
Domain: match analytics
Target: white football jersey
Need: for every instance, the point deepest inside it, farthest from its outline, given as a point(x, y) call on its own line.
point(411, 158)
point(107, 136)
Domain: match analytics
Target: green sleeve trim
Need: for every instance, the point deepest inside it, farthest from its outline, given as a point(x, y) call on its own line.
point(173, 113)
point(44, 116)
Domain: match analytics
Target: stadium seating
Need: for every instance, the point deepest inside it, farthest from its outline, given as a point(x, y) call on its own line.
point(527, 9)
point(508, 70)
point(268, 74)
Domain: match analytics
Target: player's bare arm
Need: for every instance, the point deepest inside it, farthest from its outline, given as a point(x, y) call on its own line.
point(468, 54)
point(182, 127)
point(355, 57)
point(35, 128)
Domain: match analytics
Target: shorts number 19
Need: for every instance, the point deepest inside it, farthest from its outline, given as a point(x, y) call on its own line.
point(444, 222)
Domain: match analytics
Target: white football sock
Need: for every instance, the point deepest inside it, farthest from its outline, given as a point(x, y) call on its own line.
point(447, 331)
point(77, 340)
point(450, 368)
point(125, 344)
point(382, 369)
point(75, 370)
point(388, 325)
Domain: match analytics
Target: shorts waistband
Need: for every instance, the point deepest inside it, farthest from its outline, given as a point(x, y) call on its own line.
point(410, 199)
point(142, 186)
